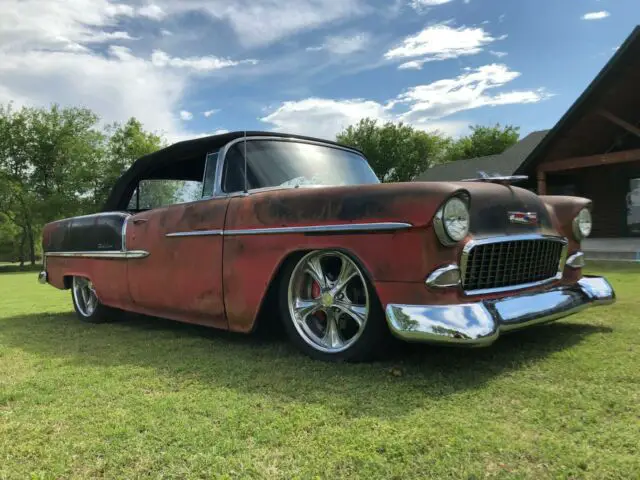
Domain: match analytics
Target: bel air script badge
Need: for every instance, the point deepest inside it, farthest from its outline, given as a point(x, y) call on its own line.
point(523, 218)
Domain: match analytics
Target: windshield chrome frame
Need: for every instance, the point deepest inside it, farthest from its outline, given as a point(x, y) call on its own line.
point(222, 158)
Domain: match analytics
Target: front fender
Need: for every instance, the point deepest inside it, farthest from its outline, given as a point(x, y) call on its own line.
point(563, 209)
point(406, 255)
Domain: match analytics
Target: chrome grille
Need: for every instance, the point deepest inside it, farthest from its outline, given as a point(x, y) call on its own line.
point(509, 263)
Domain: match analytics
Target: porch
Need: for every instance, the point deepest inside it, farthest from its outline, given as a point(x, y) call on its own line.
point(615, 249)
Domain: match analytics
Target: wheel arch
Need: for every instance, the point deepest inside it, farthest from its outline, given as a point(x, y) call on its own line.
point(267, 311)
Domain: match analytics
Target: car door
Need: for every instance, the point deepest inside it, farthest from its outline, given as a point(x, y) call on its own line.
point(181, 278)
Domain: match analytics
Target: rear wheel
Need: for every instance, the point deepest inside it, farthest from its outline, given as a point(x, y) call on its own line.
point(330, 309)
point(86, 303)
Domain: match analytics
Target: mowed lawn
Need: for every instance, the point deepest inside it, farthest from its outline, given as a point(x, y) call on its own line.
point(149, 398)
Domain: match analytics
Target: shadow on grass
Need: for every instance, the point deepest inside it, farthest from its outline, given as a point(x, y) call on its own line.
point(268, 366)
point(15, 268)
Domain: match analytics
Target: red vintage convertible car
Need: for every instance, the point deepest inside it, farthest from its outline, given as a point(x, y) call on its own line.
point(212, 230)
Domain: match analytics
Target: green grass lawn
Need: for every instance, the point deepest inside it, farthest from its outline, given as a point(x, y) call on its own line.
point(148, 398)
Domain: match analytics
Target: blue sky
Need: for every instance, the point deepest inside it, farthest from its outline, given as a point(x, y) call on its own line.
point(198, 67)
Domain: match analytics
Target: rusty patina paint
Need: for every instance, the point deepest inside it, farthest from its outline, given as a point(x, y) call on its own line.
point(222, 280)
point(250, 262)
point(182, 276)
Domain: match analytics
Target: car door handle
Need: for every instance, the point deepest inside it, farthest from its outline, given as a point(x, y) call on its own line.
point(139, 221)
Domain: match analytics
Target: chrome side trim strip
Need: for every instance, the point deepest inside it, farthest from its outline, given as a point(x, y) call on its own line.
point(510, 238)
point(123, 247)
point(100, 214)
point(195, 233)
point(110, 254)
point(347, 227)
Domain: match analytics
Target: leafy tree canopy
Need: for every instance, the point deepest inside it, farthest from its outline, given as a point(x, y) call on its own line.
point(60, 162)
point(396, 152)
point(484, 141)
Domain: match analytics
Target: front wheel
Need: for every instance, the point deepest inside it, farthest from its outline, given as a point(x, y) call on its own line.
point(86, 303)
point(330, 309)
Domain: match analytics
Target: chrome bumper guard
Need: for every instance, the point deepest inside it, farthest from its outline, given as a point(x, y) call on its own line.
point(481, 323)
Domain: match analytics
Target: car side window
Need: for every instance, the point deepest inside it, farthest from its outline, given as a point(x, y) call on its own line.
point(233, 172)
point(209, 180)
point(156, 193)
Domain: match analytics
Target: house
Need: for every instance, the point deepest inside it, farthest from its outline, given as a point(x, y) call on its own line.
point(593, 150)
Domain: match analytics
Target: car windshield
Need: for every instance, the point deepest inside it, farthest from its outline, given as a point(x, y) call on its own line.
point(277, 163)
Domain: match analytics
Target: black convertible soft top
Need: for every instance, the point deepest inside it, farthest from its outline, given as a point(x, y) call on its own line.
point(181, 161)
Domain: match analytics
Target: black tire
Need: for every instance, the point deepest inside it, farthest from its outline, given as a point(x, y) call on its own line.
point(97, 313)
point(370, 343)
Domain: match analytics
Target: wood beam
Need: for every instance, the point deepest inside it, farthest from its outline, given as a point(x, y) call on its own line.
point(620, 122)
point(542, 183)
point(590, 161)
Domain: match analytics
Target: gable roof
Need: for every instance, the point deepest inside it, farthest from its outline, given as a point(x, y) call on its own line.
point(505, 163)
point(614, 87)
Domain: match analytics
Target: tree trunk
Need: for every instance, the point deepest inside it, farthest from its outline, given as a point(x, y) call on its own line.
point(23, 239)
point(32, 245)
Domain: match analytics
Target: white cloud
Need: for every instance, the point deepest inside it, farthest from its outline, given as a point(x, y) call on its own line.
point(322, 117)
point(498, 54)
point(101, 37)
point(424, 106)
point(595, 15)
point(419, 4)
point(208, 113)
point(116, 87)
point(58, 24)
point(343, 44)
point(220, 131)
point(197, 64)
point(465, 92)
point(412, 65)
point(152, 11)
point(262, 22)
point(441, 42)
point(186, 115)
point(47, 57)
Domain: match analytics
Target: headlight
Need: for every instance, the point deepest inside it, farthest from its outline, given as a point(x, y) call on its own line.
point(452, 221)
point(582, 224)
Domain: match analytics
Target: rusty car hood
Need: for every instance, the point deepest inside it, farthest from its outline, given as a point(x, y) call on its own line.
point(413, 202)
point(491, 205)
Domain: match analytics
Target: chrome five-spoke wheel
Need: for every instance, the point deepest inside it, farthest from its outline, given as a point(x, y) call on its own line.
point(86, 302)
point(329, 302)
point(84, 296)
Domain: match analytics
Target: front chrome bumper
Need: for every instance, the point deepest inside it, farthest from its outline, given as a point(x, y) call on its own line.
point(482, 322)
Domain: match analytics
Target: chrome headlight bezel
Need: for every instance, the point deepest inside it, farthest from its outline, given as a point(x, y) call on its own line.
point(580, 220)
point(441, 224)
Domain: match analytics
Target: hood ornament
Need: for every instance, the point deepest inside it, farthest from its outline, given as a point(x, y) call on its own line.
point(497, 178)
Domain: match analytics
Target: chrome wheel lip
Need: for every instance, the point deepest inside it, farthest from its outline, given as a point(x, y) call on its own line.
point(305, 333)
point(84, 296)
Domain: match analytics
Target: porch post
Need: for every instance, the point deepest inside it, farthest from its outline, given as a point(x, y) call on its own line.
point(542, 183)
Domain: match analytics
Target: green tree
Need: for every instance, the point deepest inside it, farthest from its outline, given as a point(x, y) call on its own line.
point(57, 163)
point(126, 143)
point(9, 239)
point(484, 141)
point(396, 152)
